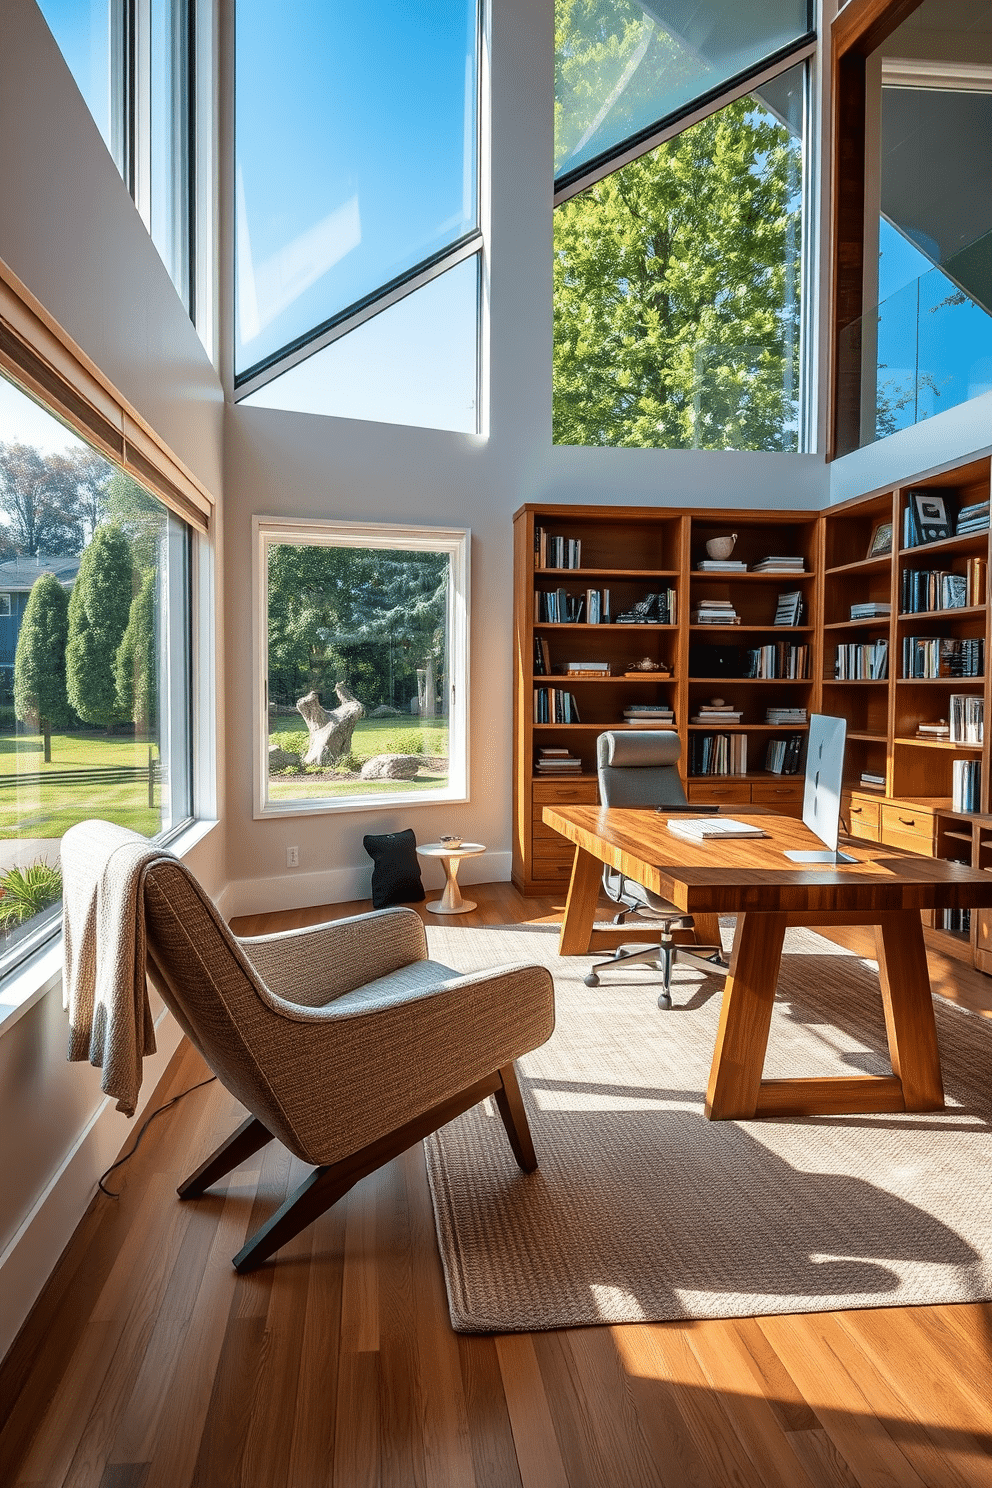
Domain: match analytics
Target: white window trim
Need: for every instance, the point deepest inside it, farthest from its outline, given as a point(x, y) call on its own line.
point(456, 542)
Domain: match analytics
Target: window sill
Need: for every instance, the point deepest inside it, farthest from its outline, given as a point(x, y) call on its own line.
point(319, 806)
point(41, 972)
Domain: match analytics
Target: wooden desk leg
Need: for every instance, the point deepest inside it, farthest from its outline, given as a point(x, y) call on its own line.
point(580, 906)
point(707, 928)
point(739, 1056)
point(908, 1003)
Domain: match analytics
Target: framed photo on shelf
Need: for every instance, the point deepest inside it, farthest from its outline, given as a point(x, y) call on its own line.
point(881, 540)
point(929, 516)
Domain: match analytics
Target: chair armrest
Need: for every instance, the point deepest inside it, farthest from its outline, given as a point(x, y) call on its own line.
point(314, 965)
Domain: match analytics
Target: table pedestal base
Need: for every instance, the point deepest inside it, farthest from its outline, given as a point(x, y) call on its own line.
point(451, 901)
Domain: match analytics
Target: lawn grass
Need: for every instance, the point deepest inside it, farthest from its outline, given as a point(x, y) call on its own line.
point(38, 807)
point(372, 736)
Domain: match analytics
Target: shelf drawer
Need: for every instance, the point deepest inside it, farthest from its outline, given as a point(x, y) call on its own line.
point(541, 832)
point(908, 828)
point(769, 793)
point(866, 818)
point(579, 792)
point(702, 790)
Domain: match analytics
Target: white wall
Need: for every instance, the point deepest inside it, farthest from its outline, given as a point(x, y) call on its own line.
point(286, 464)
point(69, 230)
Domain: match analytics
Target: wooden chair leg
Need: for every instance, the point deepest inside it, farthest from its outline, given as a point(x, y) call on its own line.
point(249, 1138)
point(511, 1107)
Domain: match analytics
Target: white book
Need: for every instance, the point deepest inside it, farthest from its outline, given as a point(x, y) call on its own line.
point(696, 828)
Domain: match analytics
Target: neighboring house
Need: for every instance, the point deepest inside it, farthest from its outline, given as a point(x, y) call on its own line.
point(17, 579)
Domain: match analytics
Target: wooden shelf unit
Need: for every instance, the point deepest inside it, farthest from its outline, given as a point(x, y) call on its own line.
point(635, 551)
point(882, 717)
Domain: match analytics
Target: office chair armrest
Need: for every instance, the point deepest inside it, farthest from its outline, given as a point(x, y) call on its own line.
point(310, 966)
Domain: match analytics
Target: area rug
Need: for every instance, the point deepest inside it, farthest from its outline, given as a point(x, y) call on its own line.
point(642, 1210)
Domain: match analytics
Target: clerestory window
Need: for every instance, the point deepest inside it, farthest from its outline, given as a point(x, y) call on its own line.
point(680, 224)
point(357, 210)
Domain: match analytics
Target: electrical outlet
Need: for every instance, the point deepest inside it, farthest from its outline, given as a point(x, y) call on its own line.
point(292, 857)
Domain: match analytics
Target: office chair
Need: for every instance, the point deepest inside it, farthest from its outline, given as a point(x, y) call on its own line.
point(638, 769)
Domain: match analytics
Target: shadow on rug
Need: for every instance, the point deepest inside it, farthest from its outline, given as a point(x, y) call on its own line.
point(642, 1210)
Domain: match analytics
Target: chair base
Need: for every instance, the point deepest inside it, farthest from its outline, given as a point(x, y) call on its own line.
point(661, 958)
point(326, 1185)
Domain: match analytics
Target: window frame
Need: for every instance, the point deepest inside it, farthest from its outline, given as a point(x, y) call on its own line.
point(474, 242)
point(802, 53)
point(300, 531)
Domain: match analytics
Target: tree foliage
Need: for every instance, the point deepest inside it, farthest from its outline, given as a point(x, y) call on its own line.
point(141, 517)
point(39, 663)
point(39, 497)
point(99, 610)
point(363, 616)
point(136, 664)
point(676, 293)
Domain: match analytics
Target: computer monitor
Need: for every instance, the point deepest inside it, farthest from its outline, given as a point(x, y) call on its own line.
point(824, 780)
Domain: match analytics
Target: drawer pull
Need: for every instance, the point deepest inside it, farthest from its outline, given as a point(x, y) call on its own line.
point(856, 810)
point(908, 821)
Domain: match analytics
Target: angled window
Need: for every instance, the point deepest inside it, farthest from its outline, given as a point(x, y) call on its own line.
point(357, 184)
point(134, 64)
point(679, 244)
point(95, 660)
point(363, 665)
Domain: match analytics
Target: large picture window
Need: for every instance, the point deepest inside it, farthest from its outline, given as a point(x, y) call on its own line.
point(94, 660)
point(363, 661)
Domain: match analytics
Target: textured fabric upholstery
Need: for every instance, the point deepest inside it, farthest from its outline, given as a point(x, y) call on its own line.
point(336, 1036)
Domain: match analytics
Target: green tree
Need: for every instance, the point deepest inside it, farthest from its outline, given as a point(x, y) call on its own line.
point(141, 517)
point(39, 497)
point(136, 669)
point(676, 293)
point(366, 616)
point(39, 663)
point(99, 610)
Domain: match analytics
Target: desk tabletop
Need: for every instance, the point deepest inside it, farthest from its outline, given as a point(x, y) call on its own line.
point(734, 875)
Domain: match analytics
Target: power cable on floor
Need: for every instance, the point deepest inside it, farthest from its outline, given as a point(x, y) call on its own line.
point(144, 1127)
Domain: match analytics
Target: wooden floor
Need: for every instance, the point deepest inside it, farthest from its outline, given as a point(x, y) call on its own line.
point(149, 1364)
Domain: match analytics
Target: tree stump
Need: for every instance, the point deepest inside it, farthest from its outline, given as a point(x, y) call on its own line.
point(330, 733)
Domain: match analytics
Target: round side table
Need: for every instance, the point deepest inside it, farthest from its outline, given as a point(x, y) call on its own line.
point(451, 901)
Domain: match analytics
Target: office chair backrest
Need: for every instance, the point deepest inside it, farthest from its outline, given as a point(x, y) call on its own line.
point(638, 768)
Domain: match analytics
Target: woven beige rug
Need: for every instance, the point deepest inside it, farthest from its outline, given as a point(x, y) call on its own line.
point(642, 1210)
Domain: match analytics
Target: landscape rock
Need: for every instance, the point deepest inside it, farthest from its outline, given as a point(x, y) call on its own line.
point(281, 759)
point(391, 767)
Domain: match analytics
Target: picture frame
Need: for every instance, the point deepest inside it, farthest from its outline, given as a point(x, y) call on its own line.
point(929, 516)
point(881, 540)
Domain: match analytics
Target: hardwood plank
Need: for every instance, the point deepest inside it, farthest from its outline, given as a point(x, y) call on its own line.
point(314, 1422)
point(493, 1453)
point(538, 1453)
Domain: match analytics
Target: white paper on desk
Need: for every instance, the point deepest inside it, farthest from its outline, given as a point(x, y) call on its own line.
point(695, 828)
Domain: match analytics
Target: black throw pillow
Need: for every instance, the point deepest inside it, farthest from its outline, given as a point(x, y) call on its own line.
point(396, 875)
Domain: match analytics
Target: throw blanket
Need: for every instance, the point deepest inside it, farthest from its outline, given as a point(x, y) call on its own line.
point(103, 923)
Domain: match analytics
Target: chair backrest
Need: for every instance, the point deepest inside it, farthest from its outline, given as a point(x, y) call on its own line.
point(638, 768)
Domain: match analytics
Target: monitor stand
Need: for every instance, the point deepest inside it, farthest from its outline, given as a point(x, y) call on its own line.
point(818, 855)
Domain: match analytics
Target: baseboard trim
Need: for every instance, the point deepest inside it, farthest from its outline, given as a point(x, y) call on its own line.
point(33, 1253)
point(295, 890)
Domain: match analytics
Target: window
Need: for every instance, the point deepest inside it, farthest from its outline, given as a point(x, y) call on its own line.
point(679, 230)
point(4, 606)
point(357, 186)
point(134, 63)
point(94, 660)
point(362, 637)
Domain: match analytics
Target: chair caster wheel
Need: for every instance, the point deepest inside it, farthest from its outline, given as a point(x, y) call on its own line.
point(664, 999)
point(592, 980)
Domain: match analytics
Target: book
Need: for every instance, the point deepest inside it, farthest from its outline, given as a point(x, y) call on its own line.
point(698, 828)
point(967, 719)
point(721, 565)
point(875, 609)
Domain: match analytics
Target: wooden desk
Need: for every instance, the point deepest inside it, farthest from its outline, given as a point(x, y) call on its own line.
point(751, 878)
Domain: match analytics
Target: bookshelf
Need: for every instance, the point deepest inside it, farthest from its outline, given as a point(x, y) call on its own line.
point(914, 810)
point(633, 553)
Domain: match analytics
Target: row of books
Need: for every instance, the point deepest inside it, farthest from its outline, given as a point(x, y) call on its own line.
point(933, 589)
point(954, 919)
point(967, 719)
point(557, 762)
point(597, 606)
point(556, 552)
point(784, 756)
point(771, 565)
point(558, 607)
point(554, 705)
point(718, 754)
point(778, 659)
point(660, 608)
point(966, 785)
point(862, 662)
point(942, 656)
